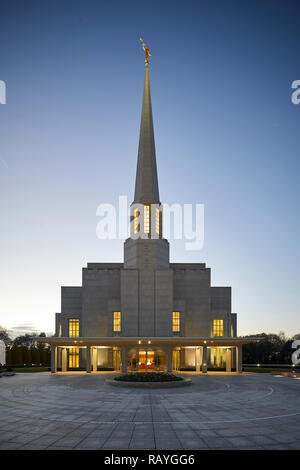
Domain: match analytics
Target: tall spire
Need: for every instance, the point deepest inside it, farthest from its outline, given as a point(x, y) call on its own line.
point(146, 183)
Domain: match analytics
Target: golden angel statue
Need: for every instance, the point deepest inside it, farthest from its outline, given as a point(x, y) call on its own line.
point(147, 52)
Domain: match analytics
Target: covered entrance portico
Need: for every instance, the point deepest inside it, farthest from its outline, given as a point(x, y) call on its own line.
point(147, 358)
point(148, 354)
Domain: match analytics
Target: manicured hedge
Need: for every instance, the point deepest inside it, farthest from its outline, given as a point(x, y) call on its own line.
point(148, 377)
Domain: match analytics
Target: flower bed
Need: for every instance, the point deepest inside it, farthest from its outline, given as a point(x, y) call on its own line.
point(148, 377)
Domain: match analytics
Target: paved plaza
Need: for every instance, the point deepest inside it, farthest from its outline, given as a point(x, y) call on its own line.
point(80, 411)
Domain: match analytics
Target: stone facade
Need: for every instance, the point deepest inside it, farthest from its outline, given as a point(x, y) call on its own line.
point(146, 299)
point(146, 313)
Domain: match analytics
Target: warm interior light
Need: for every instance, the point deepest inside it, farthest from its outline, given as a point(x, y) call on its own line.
point(117, 322)
point(157, 221)
point(146, 219)
point(74, 358)
point(73, 327)
point(136, 221)
point(176, 322)
point(218, 327)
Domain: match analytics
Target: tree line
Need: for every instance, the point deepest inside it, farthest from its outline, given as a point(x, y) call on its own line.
point(25, 350)
point(271, 349)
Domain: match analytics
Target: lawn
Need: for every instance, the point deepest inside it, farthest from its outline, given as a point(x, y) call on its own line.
point(261, 370)
point(257, 370)
point(22, 370)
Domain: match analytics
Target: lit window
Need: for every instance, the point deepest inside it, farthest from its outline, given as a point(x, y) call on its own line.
point(73, 327)
point(59, 329)
point(146, 219)
point(117, 322)
point(176, 322)
point(157, 221)
point(218, 328)
point(136, 221)
point(73, 358)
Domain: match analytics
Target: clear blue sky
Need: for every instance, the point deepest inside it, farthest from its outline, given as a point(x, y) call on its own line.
point(227, 135)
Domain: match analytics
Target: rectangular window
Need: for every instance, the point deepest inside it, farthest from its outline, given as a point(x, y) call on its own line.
point(117, 322)
point(136, 221)
point(218, 328)
point(59, 329)
point(176, 322)
point(157, 221)
point(73, 358)
point(73, 327)
point(146, 219)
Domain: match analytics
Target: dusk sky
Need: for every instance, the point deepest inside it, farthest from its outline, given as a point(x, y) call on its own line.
point(227, 136)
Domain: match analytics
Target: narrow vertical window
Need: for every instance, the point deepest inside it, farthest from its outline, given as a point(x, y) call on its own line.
point(136, 221)
point(59, 329)
point(73, 327)
point(218, 328)
point(117, 322)
point(146, 219)
point(157, 221)
point(176, 322)
point(73, 358)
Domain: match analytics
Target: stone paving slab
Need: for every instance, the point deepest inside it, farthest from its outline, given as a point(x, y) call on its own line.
point(77, 411)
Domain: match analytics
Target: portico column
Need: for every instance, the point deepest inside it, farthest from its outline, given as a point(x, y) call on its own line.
point(182, 358)
point(228, 360)
point(204, 359)
point(197, 358)
point(170, 365)
point(239, 358)
point(88, 359)
point(53, 359)
point(124, 360)
point(64, 360)
point(95, 359)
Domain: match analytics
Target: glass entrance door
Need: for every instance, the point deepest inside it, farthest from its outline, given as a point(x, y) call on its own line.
point(150, 361)
point(217, 355)
point(142, 361)
point(146, 361)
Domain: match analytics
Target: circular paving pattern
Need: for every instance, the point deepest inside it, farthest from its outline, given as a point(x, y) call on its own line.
point(81, 411)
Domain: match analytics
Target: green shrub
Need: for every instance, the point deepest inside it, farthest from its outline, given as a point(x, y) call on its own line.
point(148, 377)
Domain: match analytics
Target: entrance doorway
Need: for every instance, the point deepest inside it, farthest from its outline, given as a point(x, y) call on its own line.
point(146, 361)
point(217, 358)
point(73, 358)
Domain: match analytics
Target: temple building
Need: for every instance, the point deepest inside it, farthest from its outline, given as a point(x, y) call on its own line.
point(146, 314)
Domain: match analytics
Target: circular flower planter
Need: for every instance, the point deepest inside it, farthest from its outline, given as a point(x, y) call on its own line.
point(148, 380)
